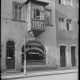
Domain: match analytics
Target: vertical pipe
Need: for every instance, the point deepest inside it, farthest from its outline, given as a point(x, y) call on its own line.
point(24, 56)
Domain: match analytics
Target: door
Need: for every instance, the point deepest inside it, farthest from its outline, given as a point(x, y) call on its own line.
point(62, 56)
point(73, 59)
point(10, 57)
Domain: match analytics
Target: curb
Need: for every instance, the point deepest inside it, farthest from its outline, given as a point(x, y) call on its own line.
point(37, 74)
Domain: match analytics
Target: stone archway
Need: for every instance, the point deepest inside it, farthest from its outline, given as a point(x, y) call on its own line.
point(35, 53)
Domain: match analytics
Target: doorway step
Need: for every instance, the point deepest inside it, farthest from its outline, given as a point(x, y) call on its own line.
point(12, 71)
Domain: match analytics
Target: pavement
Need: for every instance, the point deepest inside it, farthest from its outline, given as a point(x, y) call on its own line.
point(19, 75)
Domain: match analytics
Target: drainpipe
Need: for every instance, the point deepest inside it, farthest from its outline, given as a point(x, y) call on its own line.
point(24, 56)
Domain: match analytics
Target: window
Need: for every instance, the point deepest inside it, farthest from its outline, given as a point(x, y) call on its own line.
point(69, 24)
point(17, 10)
point(69, 2)
point(37, 16)
point(61, 23)
point(66, 2)
point(37, 12)
point(48, 17)
point(61, 1)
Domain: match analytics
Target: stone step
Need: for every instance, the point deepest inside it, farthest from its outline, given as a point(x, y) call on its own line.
point(11, 71)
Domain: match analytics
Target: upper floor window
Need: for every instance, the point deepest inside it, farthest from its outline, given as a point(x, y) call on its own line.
point(65, 24)
point(61, 23)
point(48, 17)
point(37, 12)
point(69, 2)
point(61, 1)
point(17, 10)
point(69, 24)
point(66, 2)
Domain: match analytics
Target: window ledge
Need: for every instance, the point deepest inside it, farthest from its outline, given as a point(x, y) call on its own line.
point(18, 20)
point(66, 5)
point(49, 25)
point(65, 30)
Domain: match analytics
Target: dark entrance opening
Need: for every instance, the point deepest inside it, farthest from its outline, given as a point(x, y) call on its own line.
point(62, 56)
point(10, 56)
point(73, 59)
point(34, 53)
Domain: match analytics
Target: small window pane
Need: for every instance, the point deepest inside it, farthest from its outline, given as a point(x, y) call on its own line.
point(19, 15)
point(17, 11)
point(42, 16)
point(20, 7)
point(16, 14)
point(48, 17)
point(16, 6)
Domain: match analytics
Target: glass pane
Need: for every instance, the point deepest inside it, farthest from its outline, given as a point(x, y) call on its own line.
point(41, 15)
point(37, 14)
point(16, 6)
point(16, 14)
point(19, 15)
point(33, 14)
point(48, 17)
point(47, 20)
point(20, 7)
point(42, 8)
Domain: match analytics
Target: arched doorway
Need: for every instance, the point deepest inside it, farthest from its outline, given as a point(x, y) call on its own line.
point(10, 55)
point(35, 53)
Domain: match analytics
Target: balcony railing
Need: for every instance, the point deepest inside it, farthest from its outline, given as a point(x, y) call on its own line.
point(35, 24)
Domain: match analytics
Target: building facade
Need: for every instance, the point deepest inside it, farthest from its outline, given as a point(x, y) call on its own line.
point(32, 27)
point(67, 28)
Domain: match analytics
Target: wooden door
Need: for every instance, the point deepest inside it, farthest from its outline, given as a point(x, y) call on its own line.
point(73, 59)
point(62, 56)
point(10, 57)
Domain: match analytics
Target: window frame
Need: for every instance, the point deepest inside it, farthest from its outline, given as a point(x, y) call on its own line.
point(36, 7)
point(62, 2)
point(61, 23)
point(50, 17)
point(69, 2)
point(66, 2)
point(19, 17)
point(69, 23)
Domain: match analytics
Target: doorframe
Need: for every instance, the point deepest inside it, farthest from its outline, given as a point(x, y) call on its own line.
point(14, 52)
point(75, 54)
point(66, 58)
